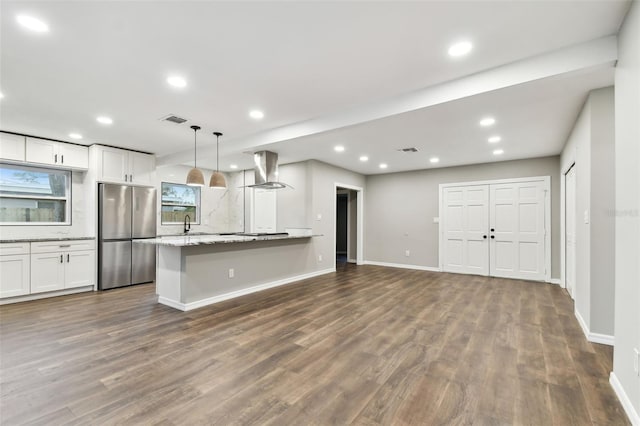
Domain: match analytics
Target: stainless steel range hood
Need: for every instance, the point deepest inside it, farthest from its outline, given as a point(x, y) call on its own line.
point(266, 171)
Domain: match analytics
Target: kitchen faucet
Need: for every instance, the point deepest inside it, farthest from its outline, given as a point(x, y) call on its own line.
point(187, 223)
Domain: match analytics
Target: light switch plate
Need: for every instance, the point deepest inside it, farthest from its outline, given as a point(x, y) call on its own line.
point(586, 217)
point(319, 216)
point(436, 220)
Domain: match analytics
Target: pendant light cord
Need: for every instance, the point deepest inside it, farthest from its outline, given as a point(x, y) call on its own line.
point(218, 134)
point(195, 146)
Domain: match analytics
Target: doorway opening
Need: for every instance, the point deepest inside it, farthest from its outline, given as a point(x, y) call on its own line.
point(348, 226)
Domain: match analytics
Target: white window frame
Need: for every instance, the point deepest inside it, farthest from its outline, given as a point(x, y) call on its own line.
point(194, 221)
point(67, 198)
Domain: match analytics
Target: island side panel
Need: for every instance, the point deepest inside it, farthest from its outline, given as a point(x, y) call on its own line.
point(255, 264)
point(169, 276)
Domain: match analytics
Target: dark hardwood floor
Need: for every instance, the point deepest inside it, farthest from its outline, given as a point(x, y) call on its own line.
point(367, 346)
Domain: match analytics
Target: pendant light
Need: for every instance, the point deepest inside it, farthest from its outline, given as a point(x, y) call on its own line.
point(195, 176)
point(217, 178)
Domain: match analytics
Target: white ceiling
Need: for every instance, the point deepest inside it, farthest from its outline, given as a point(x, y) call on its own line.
point(296, 61)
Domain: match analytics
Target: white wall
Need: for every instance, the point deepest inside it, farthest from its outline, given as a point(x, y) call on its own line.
point(627, 154)
point(221, 209)
point(400, 208)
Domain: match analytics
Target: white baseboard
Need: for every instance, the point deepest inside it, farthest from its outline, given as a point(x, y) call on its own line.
point(242, 292)
point(603, 339)
point(624, 399)
point(401, 265)
point(46, 295)
point(555, 281)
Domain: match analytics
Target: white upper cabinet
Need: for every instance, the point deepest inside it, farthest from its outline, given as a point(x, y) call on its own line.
point(12, 147)
point(57, 154)
point(122, 166)
point(141, 168)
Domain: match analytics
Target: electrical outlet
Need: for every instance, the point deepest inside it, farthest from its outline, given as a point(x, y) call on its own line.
point(636, 361)
point(319, 258)
point(436, 220)
point(232, 273)
point(407, 253)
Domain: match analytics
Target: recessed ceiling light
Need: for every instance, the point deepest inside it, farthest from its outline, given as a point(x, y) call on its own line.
point(75, 135)
point(498, 152)
point(460, 49)
point(234, 166)
point(104, 120)
point(494, 139)
point(383, 165)
point(364, 158)
point(177, 81)
point(434, 159)
point(256, 114)
point(338, 148)
point(487, 121)
point(33, 24)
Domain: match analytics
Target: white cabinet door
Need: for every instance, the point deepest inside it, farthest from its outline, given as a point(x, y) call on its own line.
point(141, 168)
point(73, 156)
point(465, 221)
point(41, 151)
point(113, 165)
point(517, 230)
point(47, 272)
point(12, 147)
point(14, 275)
point(263, 210)
point(79, 268)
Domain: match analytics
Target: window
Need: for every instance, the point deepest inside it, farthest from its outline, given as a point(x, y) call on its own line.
point(34, 196)
point(178, 201)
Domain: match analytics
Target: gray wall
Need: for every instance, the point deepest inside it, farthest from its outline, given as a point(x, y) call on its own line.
point(578, 150)
point(627, 299)
point(602, 204)
point(400, 208)
point(591, 147)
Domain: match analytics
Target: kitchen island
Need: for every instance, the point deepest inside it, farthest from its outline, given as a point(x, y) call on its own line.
point(198, 270)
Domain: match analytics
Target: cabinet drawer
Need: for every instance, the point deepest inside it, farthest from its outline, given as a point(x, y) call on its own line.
point(8, 249)
point(54, 246)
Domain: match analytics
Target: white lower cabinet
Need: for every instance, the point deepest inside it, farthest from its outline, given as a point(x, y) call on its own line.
point(80, 269)
point(47, 272)
point(46, 266)
point(14, 275)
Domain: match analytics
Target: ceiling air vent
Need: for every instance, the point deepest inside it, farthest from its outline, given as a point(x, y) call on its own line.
point(173, 119)
point(408, 150)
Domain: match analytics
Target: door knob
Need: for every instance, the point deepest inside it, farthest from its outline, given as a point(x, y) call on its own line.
point(484, 236)
point(493, 236)
point(492, 230)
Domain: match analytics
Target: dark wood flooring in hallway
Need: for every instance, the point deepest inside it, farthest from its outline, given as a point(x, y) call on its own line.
point(368, 345)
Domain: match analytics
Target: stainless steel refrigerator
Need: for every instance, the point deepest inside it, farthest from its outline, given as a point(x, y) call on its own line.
point(124, 213)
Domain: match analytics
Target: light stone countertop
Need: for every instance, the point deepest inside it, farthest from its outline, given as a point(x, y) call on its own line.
point(38, 240)
point(196, 240)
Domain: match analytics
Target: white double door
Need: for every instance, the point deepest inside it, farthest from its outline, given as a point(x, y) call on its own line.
point(495, 229)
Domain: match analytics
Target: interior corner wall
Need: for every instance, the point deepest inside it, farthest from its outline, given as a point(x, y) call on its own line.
point(400, 208)
point(602, 205)
point(591, 147)
point(578, 150)
point(627, 213)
